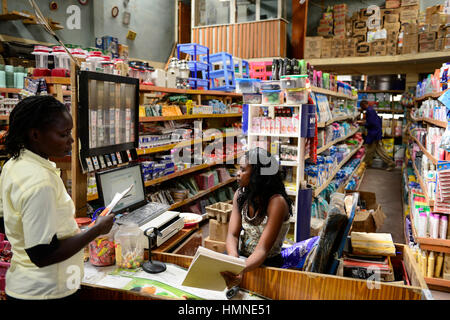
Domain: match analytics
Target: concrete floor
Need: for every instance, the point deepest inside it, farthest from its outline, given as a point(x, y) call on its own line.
point(387, 187)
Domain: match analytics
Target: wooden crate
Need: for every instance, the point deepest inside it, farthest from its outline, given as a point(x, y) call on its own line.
point(220, 211)
point(218, 246)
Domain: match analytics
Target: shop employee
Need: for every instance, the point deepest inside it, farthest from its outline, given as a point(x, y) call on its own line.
point(372, 141)
point(261, 210)
point(38, 213)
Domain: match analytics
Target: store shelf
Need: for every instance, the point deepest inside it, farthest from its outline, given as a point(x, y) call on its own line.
point(167, 147)
point(317, 191)
point(190, 116)
point(424, 150)
point(333, 93)
point(341, 118)
point(190, 170)
point(55, 80)
point(275, 135)
point(287, 163)
point(437, 123)
point(437, 282)
point(328, 145)
point(430, 95)
point(342, 187)
point(382, 91)
point(439, 245)
point(2, 117)
point(10, 90)
point(381, 64)
point(177, 174)
point(147, 88)
point(201, 194)
point(422, 186)
point(390, 111)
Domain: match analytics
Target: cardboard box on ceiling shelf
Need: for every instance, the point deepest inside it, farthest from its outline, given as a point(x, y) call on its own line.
point(359, 27)
point(391, 48)
point(326, 48)
point(410, 13)
point(392, 26)
point(378, 48)
point(342, 7)
point(360, 38)
point(313, 47)
point(363, 49)
point(428, 46)
point(391, 18)
point(392, 4)
point(406, 3)
point(427, 36)
point(409, 28)
point(439, 44)
point(325, 31)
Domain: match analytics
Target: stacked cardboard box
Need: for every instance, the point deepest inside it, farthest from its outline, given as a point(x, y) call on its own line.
point(403, 29)
point(313, 47)
point(340, 20)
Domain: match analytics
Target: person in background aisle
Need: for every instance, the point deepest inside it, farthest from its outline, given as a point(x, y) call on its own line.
point(47, 260)
point(372, 141)
point(261, 209)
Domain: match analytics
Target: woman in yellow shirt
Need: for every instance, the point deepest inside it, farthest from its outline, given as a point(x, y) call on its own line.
point(47, 261)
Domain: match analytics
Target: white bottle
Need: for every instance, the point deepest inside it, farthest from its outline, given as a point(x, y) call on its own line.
point(443, 227)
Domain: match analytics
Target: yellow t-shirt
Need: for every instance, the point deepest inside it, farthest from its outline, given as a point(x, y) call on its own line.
point(36, 206)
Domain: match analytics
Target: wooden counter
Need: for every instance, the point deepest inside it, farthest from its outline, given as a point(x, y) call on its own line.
point(286, 284)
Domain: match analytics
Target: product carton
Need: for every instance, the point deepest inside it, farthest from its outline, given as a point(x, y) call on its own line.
point(363, 49)
point(408, 14)
point(392, 26)
point(110, 45)
point(326, 47)
point(350, 47)
point(392, 4)
point(406, 3)
point(391, 48)
point(325, 31)
point(391, 18)
point(378, 48)
point(360, 38)
point(313, 47)
point(123, 52)
point(359, 27)
point(364, 14)
point(439, 44)
point(446, 267)
point(427, 46)
point(410, 28)
point(340, 7)
point(427, 37)
point(410, 44)
point(371, 220)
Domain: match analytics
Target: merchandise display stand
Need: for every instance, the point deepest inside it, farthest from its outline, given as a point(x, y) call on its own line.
point(426, 243)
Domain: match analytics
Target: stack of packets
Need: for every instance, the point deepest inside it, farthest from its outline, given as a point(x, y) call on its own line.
point(370, 257)
point(442, 203)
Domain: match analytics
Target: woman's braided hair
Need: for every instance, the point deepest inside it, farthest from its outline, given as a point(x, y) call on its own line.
point(32, 112)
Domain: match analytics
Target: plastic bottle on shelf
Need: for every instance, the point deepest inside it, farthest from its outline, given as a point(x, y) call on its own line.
point(430, 267)
point(438, 265)
point(443, 226)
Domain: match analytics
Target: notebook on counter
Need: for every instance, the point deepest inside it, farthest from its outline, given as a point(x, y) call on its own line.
point(204, 271)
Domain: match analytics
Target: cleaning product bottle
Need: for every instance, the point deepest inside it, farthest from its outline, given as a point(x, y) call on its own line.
point(439, 262)
point(430, 267)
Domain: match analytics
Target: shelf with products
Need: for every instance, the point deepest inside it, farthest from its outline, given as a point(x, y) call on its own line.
point(328, 145)
point(434, 122)
point(382, 91)
point(148, 88)
point(332, 93)
point(437, 282)
point(322, 187)
point(190, 116)
point(344, 185)
point(433, 95)
point(423, 149)
point(422, 185)
point(185, 143)
point(337, 119)
point(180, 173)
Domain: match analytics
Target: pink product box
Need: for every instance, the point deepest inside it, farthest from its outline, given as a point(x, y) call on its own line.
point(205, 180)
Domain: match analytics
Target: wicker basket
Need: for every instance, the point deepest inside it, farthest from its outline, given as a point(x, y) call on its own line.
point(220, 211)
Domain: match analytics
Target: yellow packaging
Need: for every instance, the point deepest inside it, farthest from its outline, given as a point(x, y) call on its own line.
point(430, 267)
point(438, 267)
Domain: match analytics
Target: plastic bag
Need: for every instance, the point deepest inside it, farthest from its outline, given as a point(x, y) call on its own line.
point(295, 256)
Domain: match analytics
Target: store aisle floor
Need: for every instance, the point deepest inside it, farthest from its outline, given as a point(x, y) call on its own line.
point(387, 186)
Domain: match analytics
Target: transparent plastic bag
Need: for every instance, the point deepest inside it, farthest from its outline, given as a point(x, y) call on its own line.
point(445, 140)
